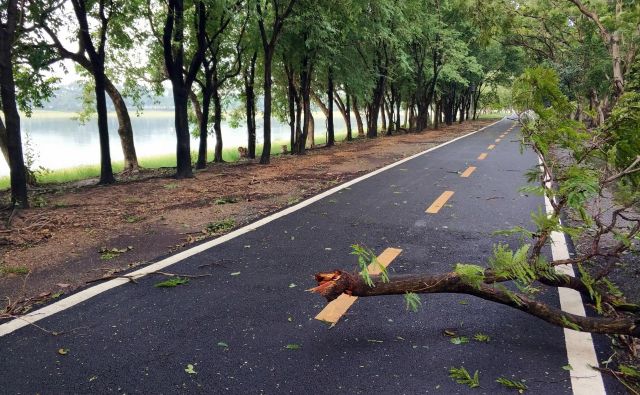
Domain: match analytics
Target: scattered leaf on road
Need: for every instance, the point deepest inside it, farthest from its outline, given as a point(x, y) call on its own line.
point(292, 346)
point(189, 369)
point(63, 351)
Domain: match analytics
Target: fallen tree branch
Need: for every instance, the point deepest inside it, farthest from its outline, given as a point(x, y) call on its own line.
point(333, 284)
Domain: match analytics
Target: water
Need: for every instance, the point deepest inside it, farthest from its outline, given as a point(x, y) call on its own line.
point(60, 142)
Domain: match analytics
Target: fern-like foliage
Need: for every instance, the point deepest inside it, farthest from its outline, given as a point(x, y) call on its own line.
point(367, 257)
point(517, 385)
point(462, 376)
point(412, 300)
point(470, 274)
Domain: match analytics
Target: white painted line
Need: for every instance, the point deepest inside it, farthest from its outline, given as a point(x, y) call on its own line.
point(88, 293)
point(581, 352)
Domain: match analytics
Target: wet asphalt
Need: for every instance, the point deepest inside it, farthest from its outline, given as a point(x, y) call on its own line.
point(249, 328)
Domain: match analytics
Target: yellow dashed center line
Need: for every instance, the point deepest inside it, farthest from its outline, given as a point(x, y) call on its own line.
point(439, 203)
point(468, 172)
point(498, 140)
point(482, 156)
point(492, 146)
point(338, 307)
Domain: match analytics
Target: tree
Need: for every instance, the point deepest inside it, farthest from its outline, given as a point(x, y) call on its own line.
point(221, 62)
point(119, 31)
point(173, 44)
point(10, 20)
point(272, 17)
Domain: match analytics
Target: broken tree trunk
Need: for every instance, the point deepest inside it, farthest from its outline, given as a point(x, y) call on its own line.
point(333, 284)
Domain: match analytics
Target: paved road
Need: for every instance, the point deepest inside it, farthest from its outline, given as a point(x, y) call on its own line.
point(138, 338)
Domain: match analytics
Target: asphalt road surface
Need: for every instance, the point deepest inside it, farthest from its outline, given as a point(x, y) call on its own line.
point(250, 328)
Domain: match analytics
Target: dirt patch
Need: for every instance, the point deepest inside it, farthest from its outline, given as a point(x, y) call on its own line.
point(81, 233)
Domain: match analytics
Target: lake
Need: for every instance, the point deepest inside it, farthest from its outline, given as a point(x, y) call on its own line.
point(59, 141)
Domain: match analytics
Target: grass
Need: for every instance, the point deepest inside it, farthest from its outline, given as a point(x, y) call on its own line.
point(17, 270)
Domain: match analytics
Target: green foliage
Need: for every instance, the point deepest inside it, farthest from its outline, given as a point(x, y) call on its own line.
point(569, 324)
point(459, 340)
point(513, 265)
point(623, 124)
point(17, 270)
point(412, 301)
point(481, 337)
point(470, 274)
point(220, 226)
point(172, 282)
point(462, 376)
point(517, 385)
point(367, 257)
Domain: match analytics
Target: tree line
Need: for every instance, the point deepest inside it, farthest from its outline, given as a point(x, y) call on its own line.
point(378, 60)
point(396, 66)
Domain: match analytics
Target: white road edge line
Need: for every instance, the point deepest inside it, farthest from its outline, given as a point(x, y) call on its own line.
point(88, 293)
point(581, 351)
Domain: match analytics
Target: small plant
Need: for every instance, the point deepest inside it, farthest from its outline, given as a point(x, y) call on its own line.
point(131, 219)
point(518, 385)
point(462, 376)
point(171, 185)
point(172, 282)
point(225, 200)
point(220, 226)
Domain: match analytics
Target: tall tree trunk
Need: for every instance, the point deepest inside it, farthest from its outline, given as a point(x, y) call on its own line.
point(10, 109)
point(291, 98)
point(106, 171)
point(383, 115)
point(331, 138)
point(348, 120)
point(345, 110)
point(250, 98)
point(183, 145)
point(125, 130)
point(217, 123)
point(266, 148)
point(356, 112)
point(203, 125)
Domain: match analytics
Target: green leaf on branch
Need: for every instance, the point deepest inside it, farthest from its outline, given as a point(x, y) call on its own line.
point(470, 274)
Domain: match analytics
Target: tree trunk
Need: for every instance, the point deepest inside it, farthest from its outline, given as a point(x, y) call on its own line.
point(125, 130)
point(356, 112)
point(348, 120)
point(10, 109)
point(217, 123)
point(106, 171)
point(384, 116)
point(183, 146)
point(266, 148)
point(331, 138)
point(250, 96)
point(203, 124)
point(345, 110)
